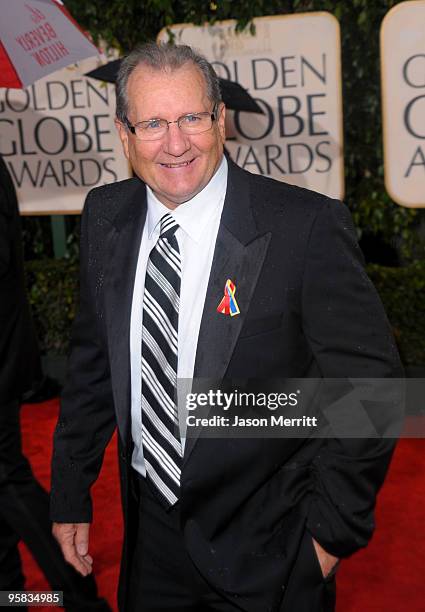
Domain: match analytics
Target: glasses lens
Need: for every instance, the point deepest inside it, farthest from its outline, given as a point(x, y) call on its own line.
point(156, 129)
point(195, 124)
point(151, 130)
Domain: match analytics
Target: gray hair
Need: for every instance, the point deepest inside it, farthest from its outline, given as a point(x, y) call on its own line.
point(162, 57)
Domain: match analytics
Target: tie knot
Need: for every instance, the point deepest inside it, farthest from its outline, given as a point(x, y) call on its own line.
point(168, 226)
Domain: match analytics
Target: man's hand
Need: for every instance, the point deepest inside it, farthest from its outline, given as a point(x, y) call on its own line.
point(327, 561)
point(73, 539)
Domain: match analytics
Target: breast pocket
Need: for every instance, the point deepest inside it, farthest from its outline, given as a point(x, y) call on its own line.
point(256, 327)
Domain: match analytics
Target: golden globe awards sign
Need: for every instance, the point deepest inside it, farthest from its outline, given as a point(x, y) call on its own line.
point(291, 67)
point(58, 140)
point(403, 102)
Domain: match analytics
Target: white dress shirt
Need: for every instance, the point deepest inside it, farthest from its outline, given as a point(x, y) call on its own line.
point(199, 220)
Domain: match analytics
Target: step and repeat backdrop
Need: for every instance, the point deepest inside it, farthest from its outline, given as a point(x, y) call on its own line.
point(291, 67)
point(59, 140)
point(403, 102)
point(58, 136)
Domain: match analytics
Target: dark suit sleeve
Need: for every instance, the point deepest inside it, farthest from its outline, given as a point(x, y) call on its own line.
point(4, 245)
point(350, 336)
point(86, 421)
point(8, 209)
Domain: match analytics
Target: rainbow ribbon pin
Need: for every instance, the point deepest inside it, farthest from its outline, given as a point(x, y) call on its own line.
point(228, 304)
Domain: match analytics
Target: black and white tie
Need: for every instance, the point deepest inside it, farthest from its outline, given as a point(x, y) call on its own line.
point(162, 447)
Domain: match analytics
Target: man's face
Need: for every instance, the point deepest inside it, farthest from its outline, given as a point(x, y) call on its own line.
point(178, 166)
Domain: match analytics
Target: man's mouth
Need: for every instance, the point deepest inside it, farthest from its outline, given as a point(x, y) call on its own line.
point(178, 164)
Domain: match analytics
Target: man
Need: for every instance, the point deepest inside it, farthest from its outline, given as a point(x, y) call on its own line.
point(24, 504)
point(219, 524)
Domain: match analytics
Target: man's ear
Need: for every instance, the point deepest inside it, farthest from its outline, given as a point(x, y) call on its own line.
point(221, 120)
point(123, 134)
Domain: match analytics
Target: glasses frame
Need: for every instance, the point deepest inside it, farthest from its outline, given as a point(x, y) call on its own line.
point(132, 127)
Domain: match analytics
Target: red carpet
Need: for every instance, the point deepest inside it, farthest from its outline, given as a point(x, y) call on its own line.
point(387, 577)
point(38, 423)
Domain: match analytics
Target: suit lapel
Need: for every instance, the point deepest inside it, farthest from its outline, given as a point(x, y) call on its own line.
point(239, 255)
point(122, 250)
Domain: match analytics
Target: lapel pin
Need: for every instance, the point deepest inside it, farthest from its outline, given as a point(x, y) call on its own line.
point(228, 304)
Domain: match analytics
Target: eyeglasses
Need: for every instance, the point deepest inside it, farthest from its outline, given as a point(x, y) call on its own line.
point(155, 129)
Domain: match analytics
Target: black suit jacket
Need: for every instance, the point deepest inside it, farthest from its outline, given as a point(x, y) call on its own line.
point(307, 310)
point(19, 356)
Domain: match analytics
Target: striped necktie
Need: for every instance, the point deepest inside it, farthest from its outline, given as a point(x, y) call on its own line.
point(162, 447)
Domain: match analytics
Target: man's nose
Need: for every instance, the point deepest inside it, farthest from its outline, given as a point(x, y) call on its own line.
point(176, 142)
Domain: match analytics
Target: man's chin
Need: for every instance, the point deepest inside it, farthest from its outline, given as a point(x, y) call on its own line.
point(173, 200)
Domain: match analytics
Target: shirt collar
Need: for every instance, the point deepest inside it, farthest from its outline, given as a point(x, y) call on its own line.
point(193, 215)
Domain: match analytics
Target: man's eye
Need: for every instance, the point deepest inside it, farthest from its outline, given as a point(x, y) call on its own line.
point(153, 125)
point(191, 118)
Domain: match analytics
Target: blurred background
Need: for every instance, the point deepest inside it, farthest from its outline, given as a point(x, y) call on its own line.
point(391, 236)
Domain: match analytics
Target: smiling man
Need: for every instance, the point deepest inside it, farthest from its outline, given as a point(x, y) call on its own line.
point(213, 524)
point(177, 159)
